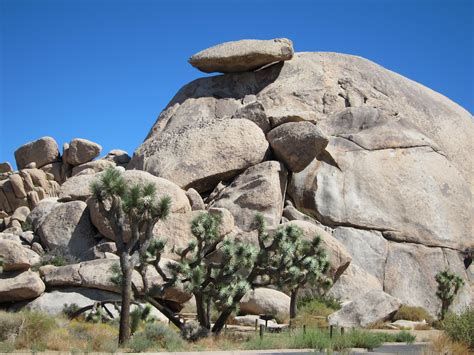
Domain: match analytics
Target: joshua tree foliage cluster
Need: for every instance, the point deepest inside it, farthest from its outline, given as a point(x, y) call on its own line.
point(217, 269)
point(448, 286)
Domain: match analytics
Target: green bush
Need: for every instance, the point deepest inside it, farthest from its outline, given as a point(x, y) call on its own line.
point(312, 339)
point(460, 328)
point(6, 347)
point(156, 336)
point(415, 314)
point(327, 301)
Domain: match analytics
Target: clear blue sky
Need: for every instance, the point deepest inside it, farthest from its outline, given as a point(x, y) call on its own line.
point(103, 70)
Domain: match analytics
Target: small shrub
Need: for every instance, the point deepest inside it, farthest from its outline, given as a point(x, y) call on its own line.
point(415, 314)
point(10, 324)
point(312, 339)
point(26, 226)
point(444, 345)
point(363, 339)
point(156, 336)
point(460, 328)
point(328, 301)
point(192, 331)
point(6, 346)
point(34, 330)
point(59, 256)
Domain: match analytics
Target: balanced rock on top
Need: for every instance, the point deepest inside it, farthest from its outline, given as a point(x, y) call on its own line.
point(244, 55)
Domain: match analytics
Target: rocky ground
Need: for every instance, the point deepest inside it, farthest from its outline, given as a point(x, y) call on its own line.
point(378, 165)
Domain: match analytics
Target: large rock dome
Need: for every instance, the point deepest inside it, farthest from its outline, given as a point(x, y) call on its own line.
point(393, 184)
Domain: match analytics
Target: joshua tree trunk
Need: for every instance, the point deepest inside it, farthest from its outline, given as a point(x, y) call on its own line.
point(201, 311)
point(126, 267)
point(220, 322)
point(293, 307)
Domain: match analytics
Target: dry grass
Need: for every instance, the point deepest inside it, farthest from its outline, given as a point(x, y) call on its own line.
point(443, 345)
point(415, 314)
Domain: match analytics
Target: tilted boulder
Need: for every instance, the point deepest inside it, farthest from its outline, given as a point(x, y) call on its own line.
point(201, 157)
point(375, 306)
point(5, 167)
point(82, 151)
point(297, 144)
point(54, 302)
point(39, 213)
point(259, 189)
point(265, 301)
point(19, 286)
point(179, 200)
point(93, 167)
point(68, 226)
point(14, 256)
point(154, 281)
point(243, 55)
point(353, 283)
point(78, 187)
point(95, 274)
point(42, 151)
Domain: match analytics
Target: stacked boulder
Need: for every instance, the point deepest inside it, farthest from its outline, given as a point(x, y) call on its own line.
point(332, 143)
point(338, 142)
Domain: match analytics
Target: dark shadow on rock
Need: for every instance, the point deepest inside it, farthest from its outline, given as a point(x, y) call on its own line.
point(233, 85)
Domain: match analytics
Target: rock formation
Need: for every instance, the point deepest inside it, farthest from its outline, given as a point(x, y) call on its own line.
point(378, 165)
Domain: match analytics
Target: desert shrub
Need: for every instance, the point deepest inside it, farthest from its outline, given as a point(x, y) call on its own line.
point(34, 330)
point(312, 339)
point(10, 324)
point(94, 337)
point(58, 256)
point(415, 314)
point(362, 339)
point(156, 336)
point(444, 345)
point(327, 301)
point(193, 331)
point(460, 328)
point(6, 347)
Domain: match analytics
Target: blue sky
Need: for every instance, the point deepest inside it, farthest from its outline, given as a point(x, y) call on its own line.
point(103, 70)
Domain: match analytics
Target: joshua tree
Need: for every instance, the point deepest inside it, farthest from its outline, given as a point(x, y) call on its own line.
point(220, 270)
point(448, 286)
point(136, 205)
point(211, 267)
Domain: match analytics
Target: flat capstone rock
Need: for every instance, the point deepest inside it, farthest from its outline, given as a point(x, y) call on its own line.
point(243, 55)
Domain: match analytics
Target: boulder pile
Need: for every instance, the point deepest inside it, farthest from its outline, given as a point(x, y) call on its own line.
point(333, 143)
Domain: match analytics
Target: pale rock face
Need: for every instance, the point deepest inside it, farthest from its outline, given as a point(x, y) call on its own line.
point(265, 301)
point(297, 144)
point(373, 307)
point(42, 151)
point(14, 256)
point(179, 200)
point(260, 188)
point(410, 275)
point(354, 283)
point(410, 194)
point(201, 157)
point(243, 55)
point(82, 151)
point(367, 248)
point(68, 226)
point(19, 286)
